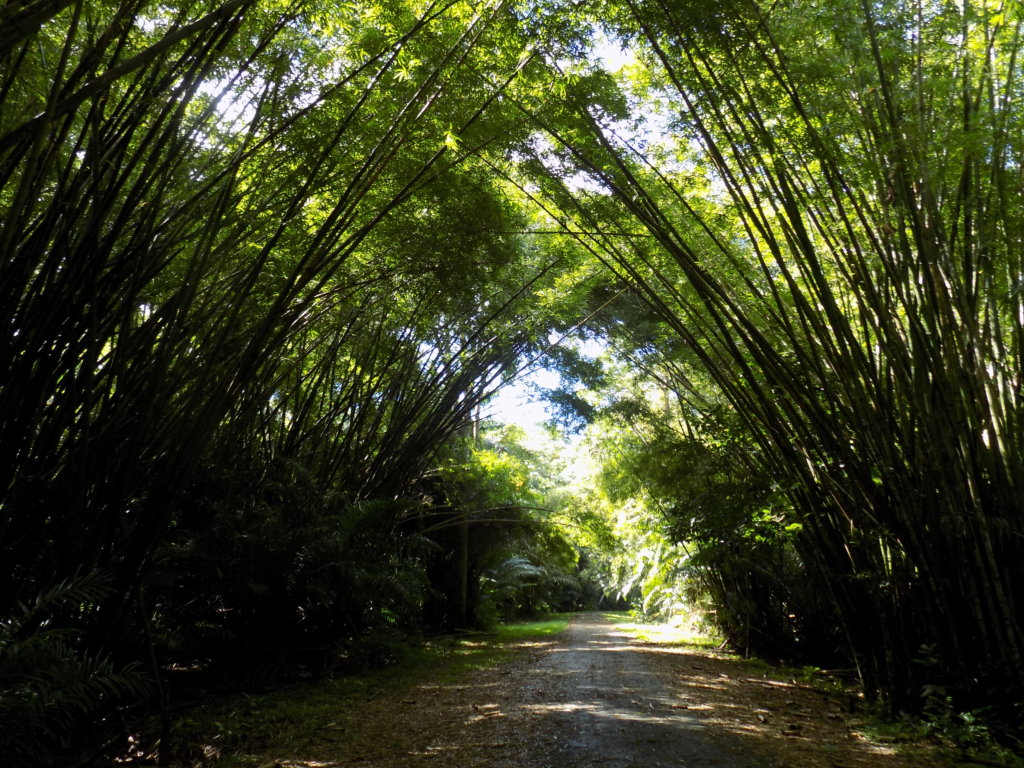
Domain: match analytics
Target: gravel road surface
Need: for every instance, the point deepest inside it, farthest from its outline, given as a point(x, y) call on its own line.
point(591, 696)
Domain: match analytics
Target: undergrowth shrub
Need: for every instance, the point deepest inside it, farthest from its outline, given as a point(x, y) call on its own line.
point(53, 687)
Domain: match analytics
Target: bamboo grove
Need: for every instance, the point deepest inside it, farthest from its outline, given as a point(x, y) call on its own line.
point(255, 283)
point(834, 237)
point(263, 260)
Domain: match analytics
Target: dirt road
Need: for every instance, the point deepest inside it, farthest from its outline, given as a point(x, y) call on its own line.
point(595, 696)
point(602, 699)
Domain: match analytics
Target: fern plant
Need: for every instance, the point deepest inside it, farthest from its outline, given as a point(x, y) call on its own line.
point(50, 686)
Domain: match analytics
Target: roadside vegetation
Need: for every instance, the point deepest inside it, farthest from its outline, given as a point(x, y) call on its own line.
point(809, 716)
point(231, 730)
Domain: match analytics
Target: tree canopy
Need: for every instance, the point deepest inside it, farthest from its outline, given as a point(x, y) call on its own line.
point(263, 261)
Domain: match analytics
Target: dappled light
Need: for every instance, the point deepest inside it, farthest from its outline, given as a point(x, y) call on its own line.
point(337, 335)
point(599, 696)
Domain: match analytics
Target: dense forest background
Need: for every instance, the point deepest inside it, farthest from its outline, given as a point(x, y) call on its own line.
point(264, 261)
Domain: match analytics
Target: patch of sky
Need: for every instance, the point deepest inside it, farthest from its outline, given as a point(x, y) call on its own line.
point(523, 403)
point(233, 108)
point(155, 19)
point(612, 55)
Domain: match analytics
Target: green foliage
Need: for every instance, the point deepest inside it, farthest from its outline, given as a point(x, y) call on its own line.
point(700, 528)
point(824, 221)
point(521, 561)
point(533, 583)
point(264, 260)
point(626, 555)
point(258, 272)
point(281, 575)
point(52, 686)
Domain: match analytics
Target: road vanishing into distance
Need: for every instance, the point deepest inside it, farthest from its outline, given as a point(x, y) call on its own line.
point(591, 696)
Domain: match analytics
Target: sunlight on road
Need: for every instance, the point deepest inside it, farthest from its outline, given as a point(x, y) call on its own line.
point(643, 713)
point(604, 693)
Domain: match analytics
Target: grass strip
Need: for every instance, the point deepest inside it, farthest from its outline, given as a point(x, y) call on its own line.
point(223, 731)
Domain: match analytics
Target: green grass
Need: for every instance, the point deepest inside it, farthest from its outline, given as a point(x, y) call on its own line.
point(551, 625)
point(227, 731)
point(660, 632)
point(480, 650)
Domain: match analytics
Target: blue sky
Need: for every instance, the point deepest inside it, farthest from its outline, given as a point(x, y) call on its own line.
point(519, 403)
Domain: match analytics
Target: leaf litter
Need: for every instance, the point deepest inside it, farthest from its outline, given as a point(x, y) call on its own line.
point(595, 695)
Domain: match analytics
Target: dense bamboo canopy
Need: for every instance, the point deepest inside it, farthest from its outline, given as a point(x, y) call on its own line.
point(263, 261)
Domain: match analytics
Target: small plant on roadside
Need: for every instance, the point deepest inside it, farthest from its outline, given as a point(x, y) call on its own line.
point(967, 730)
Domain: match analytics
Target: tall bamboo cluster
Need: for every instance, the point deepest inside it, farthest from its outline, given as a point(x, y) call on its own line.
point(228, 305)
point(836, 236)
